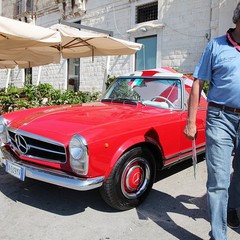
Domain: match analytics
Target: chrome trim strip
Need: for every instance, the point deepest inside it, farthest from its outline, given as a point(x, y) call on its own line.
point(199, 151)
point(44, 149)
point(52, 176)
point(181, 159)
point(43, 159)
point(35, 136)
point(198, 147)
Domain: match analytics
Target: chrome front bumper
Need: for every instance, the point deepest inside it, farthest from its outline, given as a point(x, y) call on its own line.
point(52, 176)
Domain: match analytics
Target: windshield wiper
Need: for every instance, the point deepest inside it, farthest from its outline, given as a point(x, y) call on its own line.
point(121, 100)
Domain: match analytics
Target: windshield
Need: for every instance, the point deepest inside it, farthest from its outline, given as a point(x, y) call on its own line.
point(163, 93)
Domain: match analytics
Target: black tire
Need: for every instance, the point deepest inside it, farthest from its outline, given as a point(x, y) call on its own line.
point(130, 180)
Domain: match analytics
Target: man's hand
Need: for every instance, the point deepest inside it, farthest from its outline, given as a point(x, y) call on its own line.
point(190, 131)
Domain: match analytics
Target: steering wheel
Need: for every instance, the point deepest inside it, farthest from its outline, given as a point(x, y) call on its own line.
point(165, 99)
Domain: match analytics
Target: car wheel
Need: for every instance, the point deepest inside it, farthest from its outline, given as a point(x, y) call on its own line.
point(131, 179)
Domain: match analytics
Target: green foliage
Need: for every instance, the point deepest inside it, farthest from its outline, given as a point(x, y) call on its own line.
point(190, 75)
point(206, 87)
point(122, 90)
point(14, 90)
point(110, 80)
point(31, 96)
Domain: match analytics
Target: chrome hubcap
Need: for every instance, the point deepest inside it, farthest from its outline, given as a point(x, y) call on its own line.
point(135, 178)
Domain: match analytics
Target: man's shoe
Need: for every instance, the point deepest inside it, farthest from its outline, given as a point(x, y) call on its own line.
point(232, 218)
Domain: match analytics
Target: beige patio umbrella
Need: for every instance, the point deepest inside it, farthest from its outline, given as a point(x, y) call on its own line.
point(28, 57)
point(17, 34)
point(7, 63)
point(27, 45)
point(78, 43)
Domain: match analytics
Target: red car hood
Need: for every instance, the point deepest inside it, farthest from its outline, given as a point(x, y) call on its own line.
point(62, 122)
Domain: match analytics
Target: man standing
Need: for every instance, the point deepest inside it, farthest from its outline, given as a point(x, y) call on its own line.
point(220, 65)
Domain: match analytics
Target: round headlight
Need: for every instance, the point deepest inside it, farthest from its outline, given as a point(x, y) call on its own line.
point(3, 130)
point(78, 154)
point(76, 148)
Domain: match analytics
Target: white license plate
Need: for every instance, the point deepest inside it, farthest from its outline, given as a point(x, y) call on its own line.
point(15, 170)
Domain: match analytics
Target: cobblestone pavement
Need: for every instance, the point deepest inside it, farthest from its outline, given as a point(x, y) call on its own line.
point(175, 209)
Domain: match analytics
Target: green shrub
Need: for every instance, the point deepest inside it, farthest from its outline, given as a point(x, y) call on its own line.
point(31, 96)
point(109, 81)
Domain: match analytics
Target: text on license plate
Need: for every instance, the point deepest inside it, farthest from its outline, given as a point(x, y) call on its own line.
point(15, 170)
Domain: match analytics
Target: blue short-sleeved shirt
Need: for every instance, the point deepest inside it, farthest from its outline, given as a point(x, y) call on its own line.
point(220, 64)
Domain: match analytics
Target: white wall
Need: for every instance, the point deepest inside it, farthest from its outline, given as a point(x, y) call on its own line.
point(183, 29)
point(226, 8)
point(112, 16)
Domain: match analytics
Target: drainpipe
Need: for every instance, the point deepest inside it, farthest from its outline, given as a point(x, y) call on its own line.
point(209, 34)
point(214, 18)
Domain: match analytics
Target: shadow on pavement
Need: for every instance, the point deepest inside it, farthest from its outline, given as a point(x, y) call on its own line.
point(51, 198)
point(159, 206)
point(168, 172)
point(63, 201)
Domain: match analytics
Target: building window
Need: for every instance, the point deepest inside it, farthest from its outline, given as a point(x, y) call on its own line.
point(146, 58)
point(23, 6)
point(147, 12)
point(28, 76)
point(18, 8)
point(73, 74)
point(29, 6)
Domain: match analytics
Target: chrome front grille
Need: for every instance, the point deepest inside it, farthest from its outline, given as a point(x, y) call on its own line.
point(34, 146)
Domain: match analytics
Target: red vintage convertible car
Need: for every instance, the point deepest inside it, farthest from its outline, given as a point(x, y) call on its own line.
point(116, 144)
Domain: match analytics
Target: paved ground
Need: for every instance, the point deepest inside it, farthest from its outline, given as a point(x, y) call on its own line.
point(175, 209)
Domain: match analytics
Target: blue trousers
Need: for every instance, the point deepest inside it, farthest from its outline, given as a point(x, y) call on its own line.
point(223, 136)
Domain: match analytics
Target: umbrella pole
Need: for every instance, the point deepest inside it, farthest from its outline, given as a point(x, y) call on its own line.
point(39, 75)
point(106, 74)
point(92, 54)
point(8, 79)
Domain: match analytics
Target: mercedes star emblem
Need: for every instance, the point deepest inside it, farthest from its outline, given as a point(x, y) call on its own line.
point(21, 144)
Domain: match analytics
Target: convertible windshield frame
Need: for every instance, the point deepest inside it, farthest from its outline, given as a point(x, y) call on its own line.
point(150, 91)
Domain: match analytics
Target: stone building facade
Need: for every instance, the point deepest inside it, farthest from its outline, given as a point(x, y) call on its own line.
point(179, 30)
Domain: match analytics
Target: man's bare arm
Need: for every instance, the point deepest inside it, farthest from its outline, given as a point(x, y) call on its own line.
point(190, 128)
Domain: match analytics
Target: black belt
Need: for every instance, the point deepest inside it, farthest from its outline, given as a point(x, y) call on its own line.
point(235, 110)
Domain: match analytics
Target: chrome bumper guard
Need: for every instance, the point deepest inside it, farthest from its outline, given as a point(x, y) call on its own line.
point(52, 176)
